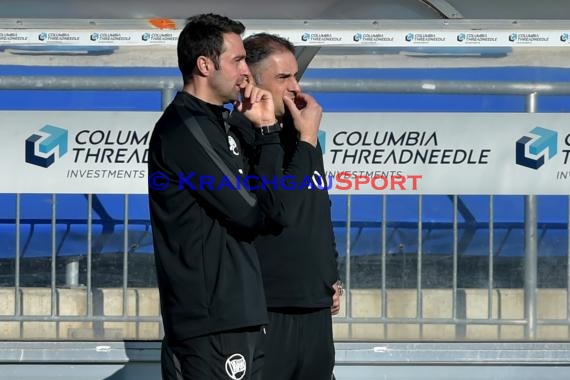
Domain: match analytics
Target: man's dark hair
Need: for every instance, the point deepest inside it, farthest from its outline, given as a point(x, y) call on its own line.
point(203, 35)
point(261, 45)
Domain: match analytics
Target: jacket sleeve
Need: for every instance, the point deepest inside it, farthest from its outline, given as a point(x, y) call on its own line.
point(334, 248)
point(200, 169)
point(282, 203)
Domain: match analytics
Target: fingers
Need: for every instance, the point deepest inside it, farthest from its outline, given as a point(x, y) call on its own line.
point(238, 106)
point(305, 98)
point(256, 105)
point(290, 104)
point(254, 94)
point(335, 310)
point(302, 104)
point(335, 307)
point(307, 120)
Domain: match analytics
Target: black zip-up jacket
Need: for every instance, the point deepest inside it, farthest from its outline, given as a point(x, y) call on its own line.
point(296, 249)
point(208, 271)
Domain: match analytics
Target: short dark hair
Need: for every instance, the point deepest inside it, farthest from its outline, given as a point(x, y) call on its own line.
point(261, 45)
point(203, 35)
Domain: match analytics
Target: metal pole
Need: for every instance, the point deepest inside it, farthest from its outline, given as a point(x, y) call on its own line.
point(384, 314)
point(72, 273)
point(17, 290)
point(455, 260)
point(530, 249)
point(170, 84)
point(347, 273)
point(167, 95)
point(126, 255)
point(54, 292)
point(419, 300)
point(53, 255)
point(491, 285)
point(89, 253)
point(568, 268)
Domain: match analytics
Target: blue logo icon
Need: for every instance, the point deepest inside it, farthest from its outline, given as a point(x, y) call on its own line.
point(357, 37)
point(461, 37)
point(564, 37)
point(94, 36)
point(322, 137)
point(513, 37)
point(409, 37)
point(45, 143)
point(146, 36)
point(531, 150)
point(305, 37)
point(42, 36)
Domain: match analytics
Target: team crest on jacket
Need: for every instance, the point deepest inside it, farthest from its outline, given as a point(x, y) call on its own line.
point(233, 146)
point(318, 181)
point(236, 367)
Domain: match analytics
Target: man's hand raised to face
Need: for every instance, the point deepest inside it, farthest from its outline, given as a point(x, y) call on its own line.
point(307, 120)
point(257, 105)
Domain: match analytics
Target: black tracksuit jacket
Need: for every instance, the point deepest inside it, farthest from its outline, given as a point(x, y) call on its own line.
point(208, 271)
point(296, 248)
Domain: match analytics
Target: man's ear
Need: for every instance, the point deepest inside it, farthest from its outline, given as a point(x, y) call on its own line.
point(204, 65)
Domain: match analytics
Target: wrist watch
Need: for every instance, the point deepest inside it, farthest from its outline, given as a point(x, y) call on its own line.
point(267, 129)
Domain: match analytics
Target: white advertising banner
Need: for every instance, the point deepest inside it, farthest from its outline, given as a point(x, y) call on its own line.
point(365, 153)
point(300, 37)
point(75, 152)
point(447, 153)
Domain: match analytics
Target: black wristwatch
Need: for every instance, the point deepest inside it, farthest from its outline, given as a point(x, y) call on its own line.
point(267, 129)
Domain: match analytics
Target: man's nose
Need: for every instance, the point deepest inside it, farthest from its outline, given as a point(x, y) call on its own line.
point(294, 86)
point(244, 70)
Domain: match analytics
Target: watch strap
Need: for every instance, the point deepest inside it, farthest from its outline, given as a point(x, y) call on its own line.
point(267, 129)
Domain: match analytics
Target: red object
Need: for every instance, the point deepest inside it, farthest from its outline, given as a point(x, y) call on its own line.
point(162, 23)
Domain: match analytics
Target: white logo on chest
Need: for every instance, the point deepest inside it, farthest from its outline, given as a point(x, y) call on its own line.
point(236, 366)
point(233, 146)
point(318, 182)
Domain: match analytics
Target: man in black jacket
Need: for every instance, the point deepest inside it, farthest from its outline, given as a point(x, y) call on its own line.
point(296, 250)
point(203, 218)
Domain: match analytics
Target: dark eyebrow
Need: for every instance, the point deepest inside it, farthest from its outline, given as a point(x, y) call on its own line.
point(285, 75)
